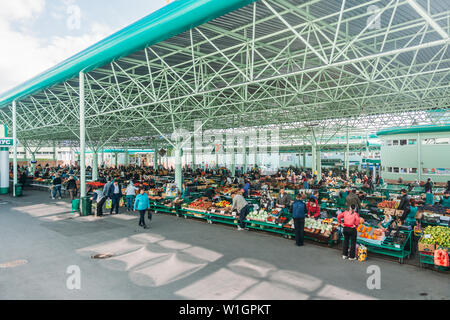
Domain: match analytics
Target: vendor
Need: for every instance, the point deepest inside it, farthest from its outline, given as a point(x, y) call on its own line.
point(429, 186)
point(265, 199)
point(445, 201)
point(210, 193)
point(185, 192)
point(386, 223)
point(313, 208)
point(283, 199)
point(409, 215)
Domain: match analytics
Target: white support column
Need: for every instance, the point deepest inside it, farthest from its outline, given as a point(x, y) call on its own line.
point(304, 159)
point(155, 158)
point(319, 163)
point(82, 138)
point(127, 159)
point(314, 161)
point(419, 156)
point(193, 153)
point(4, 170)
point(33, 165)
point(14, 117)
point(95, 165)
point(103, 157)
point(178, 171)
point(54, 152)
point(347, 156)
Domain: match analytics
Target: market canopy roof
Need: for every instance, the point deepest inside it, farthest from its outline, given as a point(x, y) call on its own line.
point(233, 64)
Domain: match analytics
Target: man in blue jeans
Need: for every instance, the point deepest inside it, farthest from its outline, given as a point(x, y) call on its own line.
point(241, 205)
point(57, 182)
point(298, 214)
point(115, 194)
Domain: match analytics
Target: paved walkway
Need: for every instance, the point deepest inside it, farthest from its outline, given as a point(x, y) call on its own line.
point(180, 259)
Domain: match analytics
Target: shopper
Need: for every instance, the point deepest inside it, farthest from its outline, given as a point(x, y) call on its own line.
point(100, 198)
point(71, 187)
point(130, 194)
point(57, 182)
point(313, 208)
point(142, 204)
point(107, 186)
point(283, 199)
point(115, 194)
point(298, 214)
point(23, 179)
point(242, 207)
point(351, 222)
point(246, 189)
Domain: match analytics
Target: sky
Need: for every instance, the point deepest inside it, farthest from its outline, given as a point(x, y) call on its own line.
point(38, 34)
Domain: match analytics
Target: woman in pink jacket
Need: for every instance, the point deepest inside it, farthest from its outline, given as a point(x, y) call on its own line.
point(351, 222)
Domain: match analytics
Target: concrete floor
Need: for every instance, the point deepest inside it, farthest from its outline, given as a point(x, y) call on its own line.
point(181, 259)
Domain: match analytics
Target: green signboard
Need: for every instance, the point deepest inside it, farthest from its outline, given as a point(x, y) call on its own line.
point(6, 142)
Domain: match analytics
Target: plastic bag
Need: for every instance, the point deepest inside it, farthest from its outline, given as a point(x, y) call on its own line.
point(108, 204)
point(362, 253)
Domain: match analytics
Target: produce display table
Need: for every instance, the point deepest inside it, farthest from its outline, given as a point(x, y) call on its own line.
point(159, 207)
point(265, 226)
point(191, 213)
point(394, 250)
point(220, 218)
point(426, 258)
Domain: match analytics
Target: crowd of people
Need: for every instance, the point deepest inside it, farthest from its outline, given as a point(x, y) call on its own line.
point(115, 178)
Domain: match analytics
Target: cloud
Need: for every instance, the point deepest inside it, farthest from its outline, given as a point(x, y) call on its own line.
point(25, 55)
point(20, 9)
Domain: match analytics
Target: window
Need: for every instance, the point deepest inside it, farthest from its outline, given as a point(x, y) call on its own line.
point(389, 142)
point(403, 142)
point(442, 140)
point(396, 169)
point(412, 170)
point(429, 141)
point(412, 141)
point(395, 142)
point(403, 170)
point(389, 169)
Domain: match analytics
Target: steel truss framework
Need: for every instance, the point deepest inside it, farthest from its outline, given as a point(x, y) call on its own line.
point(341, 64)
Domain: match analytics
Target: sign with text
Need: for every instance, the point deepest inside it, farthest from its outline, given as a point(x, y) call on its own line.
point(6, 142)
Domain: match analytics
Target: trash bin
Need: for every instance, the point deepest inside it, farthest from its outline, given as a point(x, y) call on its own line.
point(86, 206)
point(75, 205)
point(18, 188)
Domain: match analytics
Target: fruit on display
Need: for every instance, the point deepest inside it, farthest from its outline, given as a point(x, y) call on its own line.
point(200, 204)
point(222, 204)
point(436, 235)
point(386, 204)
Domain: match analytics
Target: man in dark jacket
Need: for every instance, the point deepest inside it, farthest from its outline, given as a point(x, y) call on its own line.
point(404, 202)
point(298, 214)
point(115, 194)
point(352, 198)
